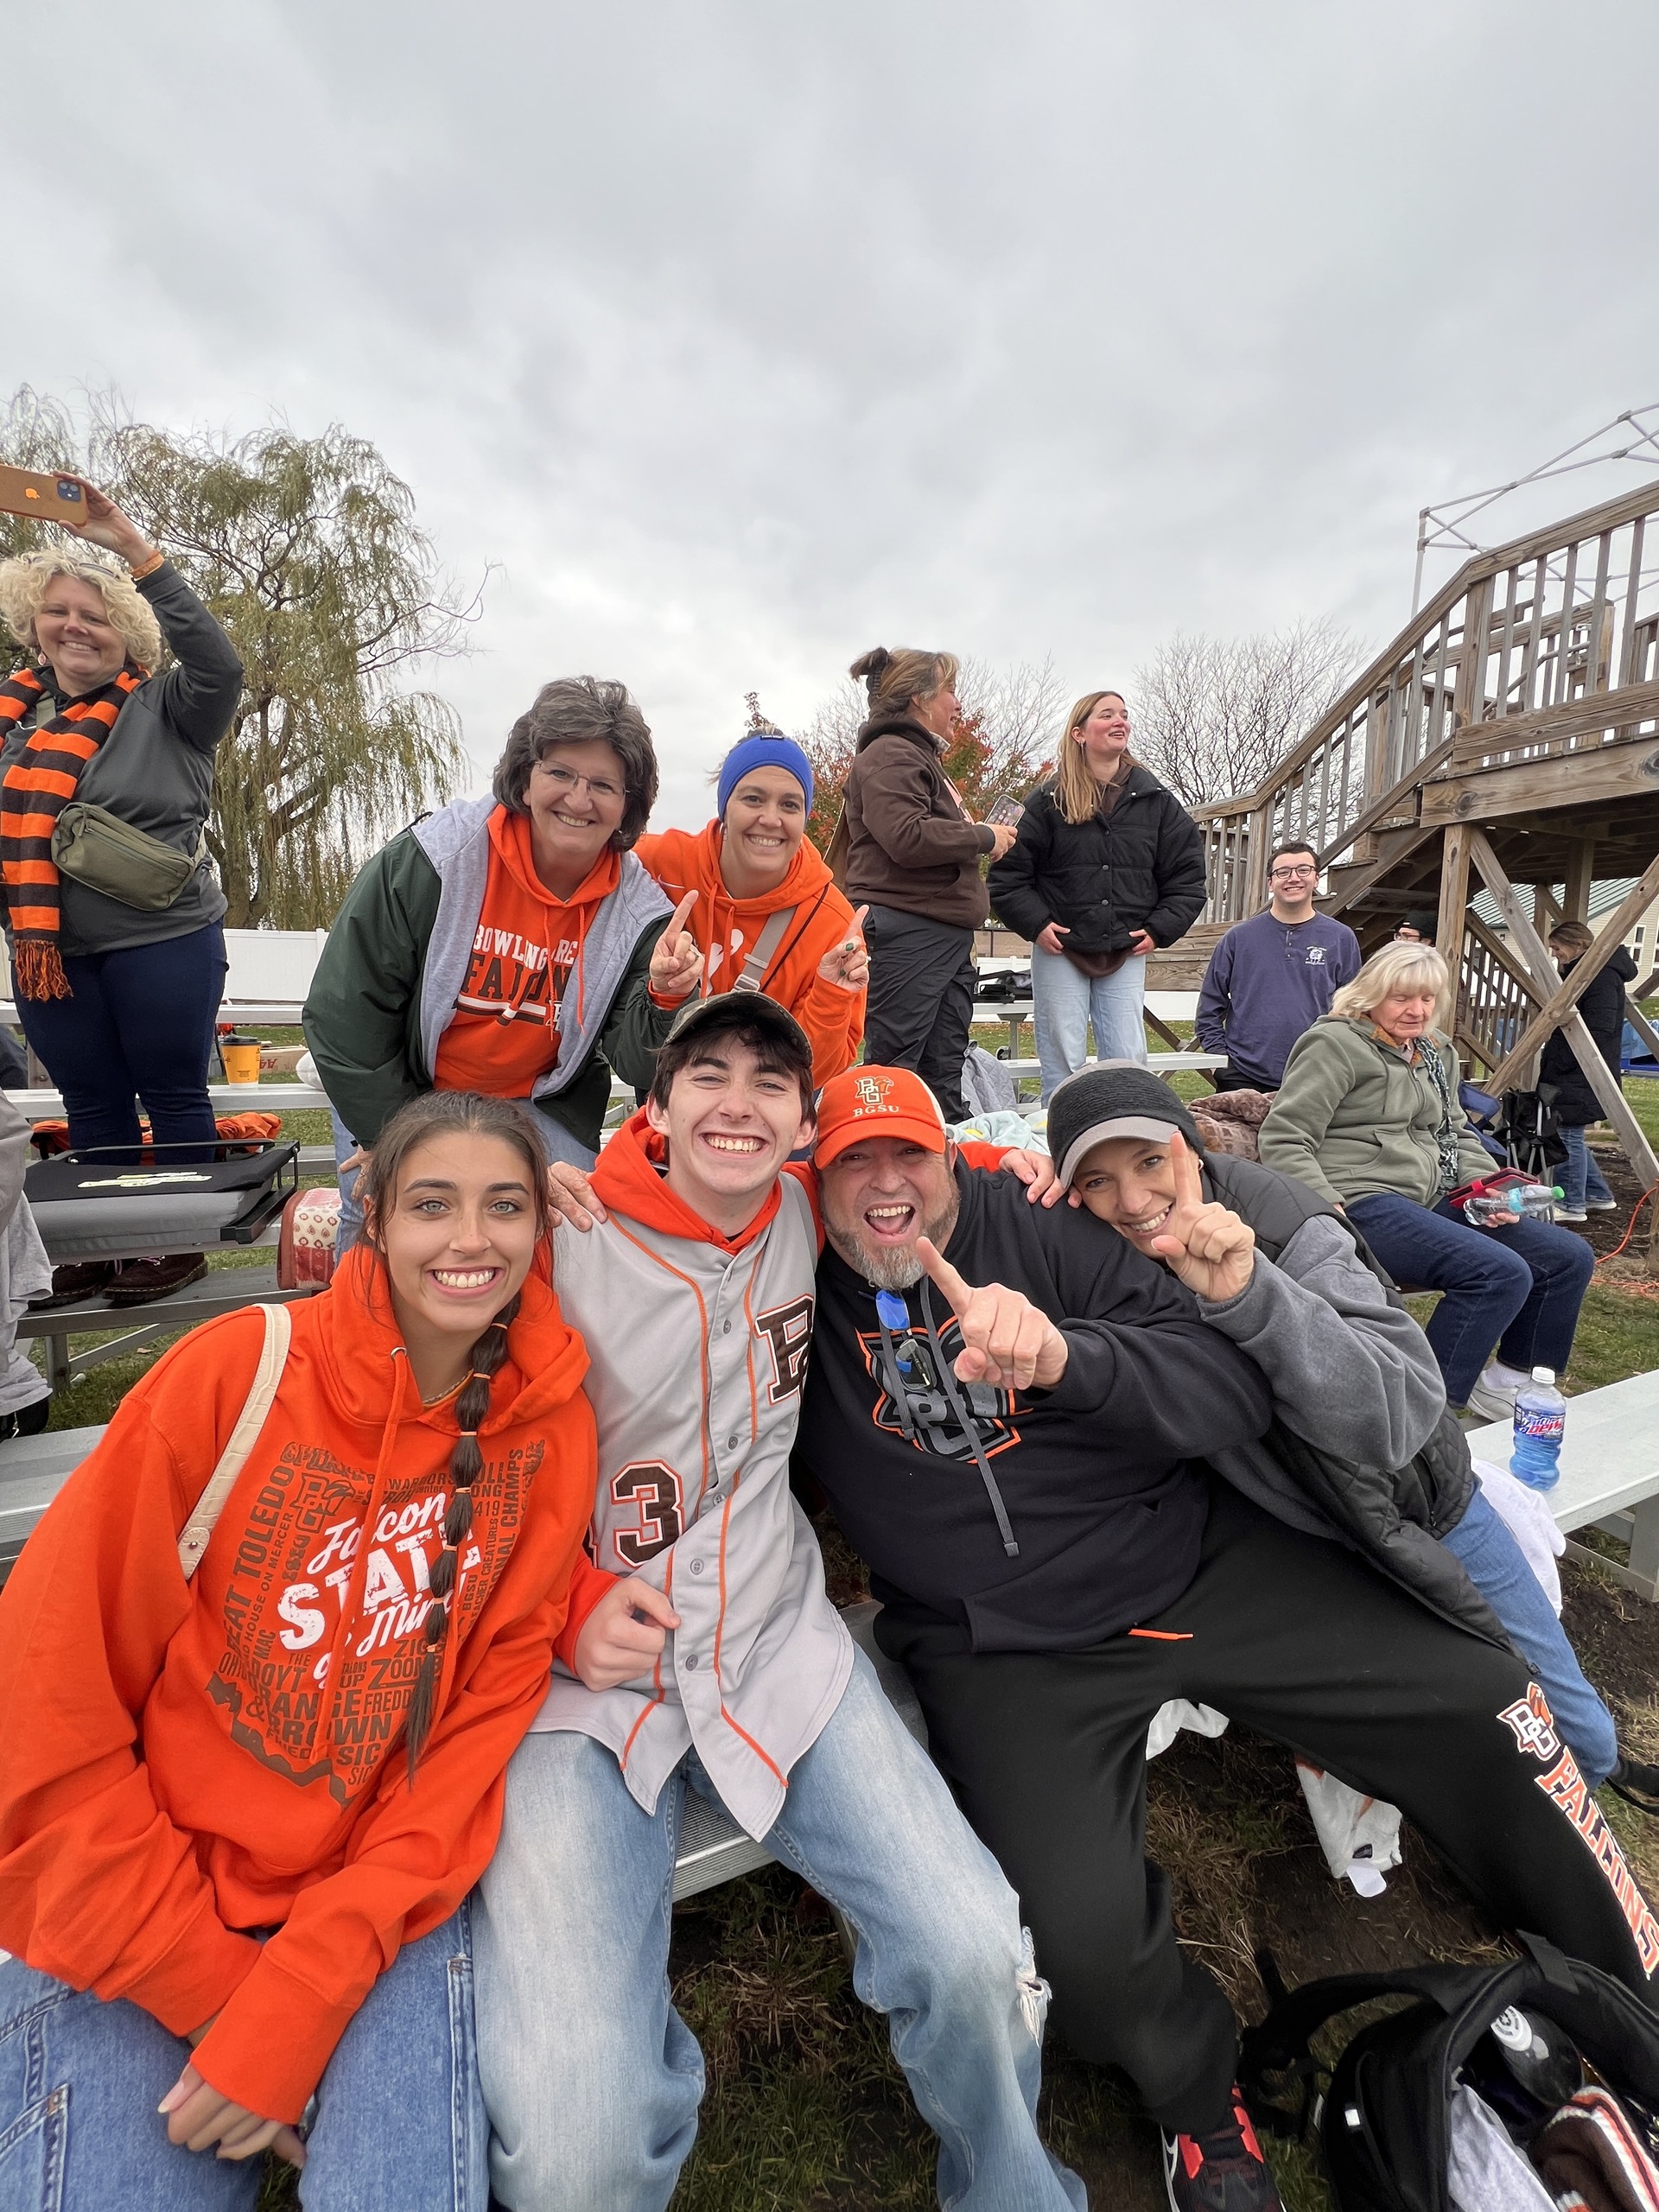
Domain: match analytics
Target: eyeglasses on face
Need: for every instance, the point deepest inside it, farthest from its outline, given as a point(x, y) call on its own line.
point(565, 781)
point(1282, 874)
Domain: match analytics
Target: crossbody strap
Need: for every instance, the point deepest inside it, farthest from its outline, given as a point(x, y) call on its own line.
point(273, 1355)
point(759, 959)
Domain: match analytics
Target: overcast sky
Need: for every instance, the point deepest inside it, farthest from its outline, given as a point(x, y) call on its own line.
point(744, 336)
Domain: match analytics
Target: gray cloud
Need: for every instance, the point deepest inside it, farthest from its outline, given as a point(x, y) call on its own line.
point(743, 337)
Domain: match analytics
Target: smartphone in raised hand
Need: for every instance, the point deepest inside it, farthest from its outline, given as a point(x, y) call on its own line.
point(47, 497)
point(1004, 811)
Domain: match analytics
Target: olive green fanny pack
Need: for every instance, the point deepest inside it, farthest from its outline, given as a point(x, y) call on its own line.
point(93, 846)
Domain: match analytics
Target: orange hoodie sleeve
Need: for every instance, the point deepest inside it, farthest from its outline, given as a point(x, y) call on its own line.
point(417, 1852)
point(834, 1019)
point(588, 1586)
point(97, 1887)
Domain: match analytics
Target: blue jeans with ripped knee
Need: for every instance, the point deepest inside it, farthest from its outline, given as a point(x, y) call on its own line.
point(398, 2126)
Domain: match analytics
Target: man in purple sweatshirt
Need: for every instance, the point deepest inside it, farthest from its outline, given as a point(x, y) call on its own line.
point(1273, 976)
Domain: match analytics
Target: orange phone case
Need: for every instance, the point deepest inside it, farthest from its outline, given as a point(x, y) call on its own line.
point(48, 498)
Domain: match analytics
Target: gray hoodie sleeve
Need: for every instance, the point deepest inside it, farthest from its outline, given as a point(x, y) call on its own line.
point(1349, 1372)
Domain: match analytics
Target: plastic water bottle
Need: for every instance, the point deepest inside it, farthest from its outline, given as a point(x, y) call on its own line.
point(1489, 1210)
point(1540, 1423)
point(1537, 1201)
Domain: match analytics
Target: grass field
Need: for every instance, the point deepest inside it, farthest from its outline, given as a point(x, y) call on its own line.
point(805, 2110)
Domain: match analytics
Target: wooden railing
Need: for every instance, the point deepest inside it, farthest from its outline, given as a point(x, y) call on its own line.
point(1547, 647)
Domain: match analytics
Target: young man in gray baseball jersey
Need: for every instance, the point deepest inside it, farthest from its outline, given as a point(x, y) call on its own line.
point(703, 1650)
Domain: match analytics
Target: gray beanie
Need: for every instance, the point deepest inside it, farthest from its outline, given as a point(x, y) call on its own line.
point(1118, 1098)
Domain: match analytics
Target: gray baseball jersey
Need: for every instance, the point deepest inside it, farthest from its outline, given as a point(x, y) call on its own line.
point(698, 1360)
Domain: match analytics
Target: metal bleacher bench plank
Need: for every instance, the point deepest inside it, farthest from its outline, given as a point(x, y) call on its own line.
point(713, 1848)
point(221, 1290)
point(1610, 1474)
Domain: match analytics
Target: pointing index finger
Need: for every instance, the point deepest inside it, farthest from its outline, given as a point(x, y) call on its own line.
point(958, 1291)
point(678, 921)
point(1189, 1184)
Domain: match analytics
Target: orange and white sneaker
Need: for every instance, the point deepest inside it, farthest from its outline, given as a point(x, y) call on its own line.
point(1221, 2172)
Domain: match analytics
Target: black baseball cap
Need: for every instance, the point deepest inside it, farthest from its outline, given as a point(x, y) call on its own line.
point(1118, 1098)
point(739, 1010)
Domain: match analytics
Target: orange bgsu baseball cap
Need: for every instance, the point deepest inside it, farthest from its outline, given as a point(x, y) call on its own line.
point(876, 1102)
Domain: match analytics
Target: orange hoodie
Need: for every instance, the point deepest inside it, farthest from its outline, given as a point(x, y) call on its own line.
point(182, 1764)
point(725, 929)
point(527, 952)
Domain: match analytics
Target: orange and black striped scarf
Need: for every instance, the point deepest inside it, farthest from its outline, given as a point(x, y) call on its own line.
point(35, 789)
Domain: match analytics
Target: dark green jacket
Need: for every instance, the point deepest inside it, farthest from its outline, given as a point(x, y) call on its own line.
point(384, 990)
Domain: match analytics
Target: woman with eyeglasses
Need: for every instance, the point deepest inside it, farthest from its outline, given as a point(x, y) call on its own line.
point(512, 945)
point(1107, 866)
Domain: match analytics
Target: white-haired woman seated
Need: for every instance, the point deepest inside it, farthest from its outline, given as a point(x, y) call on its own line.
point(113, 911)
point(1368, 1116)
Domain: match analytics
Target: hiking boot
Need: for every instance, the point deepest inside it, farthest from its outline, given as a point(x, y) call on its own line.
point(75, 1279)
point(140, 1281)
point(1222, 2171)
point(1637, 1782)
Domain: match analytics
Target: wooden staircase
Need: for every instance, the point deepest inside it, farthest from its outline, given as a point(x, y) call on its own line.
point(1510, 729)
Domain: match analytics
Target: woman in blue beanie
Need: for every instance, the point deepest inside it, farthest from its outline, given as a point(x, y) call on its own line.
point(768, 917)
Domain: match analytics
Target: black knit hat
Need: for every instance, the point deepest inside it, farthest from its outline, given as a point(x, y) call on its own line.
point(1118, 1098)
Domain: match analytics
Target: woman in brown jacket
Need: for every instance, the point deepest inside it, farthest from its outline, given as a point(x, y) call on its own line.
point(912, 857)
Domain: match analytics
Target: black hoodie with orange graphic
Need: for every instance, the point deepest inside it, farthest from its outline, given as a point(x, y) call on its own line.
point(184, 1763)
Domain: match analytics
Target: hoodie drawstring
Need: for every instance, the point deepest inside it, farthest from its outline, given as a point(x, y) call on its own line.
point(970, 1431)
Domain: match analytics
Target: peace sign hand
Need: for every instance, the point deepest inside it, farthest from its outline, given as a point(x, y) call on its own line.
point(1006, 1339)
point(848, 964)
point(1210, 1248)
point(676, 964)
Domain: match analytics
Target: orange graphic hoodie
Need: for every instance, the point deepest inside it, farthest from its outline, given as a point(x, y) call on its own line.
point(725, 929)
point(186, 1768)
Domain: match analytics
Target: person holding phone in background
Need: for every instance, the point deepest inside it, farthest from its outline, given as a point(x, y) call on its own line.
point(113, 911)
point(769, 916)
point(1106, 865)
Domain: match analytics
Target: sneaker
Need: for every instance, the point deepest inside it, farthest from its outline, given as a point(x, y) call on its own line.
point(1492, 1400)
point(1222, 2171)
point(1636, 1784)
point(1571, 1213)
point(1599, 1205)
point(140, 1281)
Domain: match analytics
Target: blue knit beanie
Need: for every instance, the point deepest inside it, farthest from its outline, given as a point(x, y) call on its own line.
point(764, 748)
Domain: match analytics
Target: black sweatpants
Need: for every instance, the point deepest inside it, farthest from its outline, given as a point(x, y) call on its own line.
point(1308, 1644)
point(920, 1007)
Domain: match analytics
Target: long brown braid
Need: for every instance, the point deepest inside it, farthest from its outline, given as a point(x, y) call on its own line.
point(443, 1113)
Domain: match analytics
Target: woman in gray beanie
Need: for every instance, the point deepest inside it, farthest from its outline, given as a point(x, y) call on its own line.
point(1363, 1448)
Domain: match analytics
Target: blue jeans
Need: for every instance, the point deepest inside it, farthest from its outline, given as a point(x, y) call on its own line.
point(1064, 1001)
point(1497, 1565)
point(399, 2123)
point(1519, 1288)
point(593, 2080)
point(139, 1021)
point(1581, 1180)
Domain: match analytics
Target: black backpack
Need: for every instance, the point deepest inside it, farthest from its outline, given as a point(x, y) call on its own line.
point(1384, 2121)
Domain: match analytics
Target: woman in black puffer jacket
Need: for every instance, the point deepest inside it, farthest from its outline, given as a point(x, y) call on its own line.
point(1106, 865)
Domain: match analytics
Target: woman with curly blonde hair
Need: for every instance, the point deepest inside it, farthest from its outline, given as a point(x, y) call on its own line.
point(112, 909)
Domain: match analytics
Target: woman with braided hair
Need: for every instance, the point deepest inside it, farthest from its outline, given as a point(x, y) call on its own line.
point(113, 910)
point(242, 1807)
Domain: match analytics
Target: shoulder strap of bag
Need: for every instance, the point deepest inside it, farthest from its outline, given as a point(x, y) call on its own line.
point(272, 1357)
point(754, 968)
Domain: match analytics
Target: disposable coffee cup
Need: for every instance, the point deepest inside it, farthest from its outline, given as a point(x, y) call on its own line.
point(241, 1058)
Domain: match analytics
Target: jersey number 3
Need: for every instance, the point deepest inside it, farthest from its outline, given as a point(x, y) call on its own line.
point(653, 1490)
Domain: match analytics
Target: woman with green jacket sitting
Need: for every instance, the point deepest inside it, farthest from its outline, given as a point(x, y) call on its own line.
point(1368, 1116)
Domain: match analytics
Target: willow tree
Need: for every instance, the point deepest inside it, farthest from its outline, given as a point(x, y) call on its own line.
point(307, 551)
